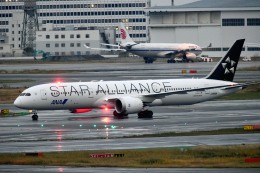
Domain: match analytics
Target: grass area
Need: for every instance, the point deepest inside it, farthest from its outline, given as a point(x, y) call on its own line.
point(197, 133)
point(15, 81)
point(188, 157)
point(8, 95)
point(37, 71)
point(253, 68)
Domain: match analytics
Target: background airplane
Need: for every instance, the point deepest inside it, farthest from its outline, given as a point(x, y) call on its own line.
point(151, 51)
point(134, 96)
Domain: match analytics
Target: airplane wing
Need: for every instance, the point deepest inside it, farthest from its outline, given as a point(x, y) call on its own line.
point(104, 49)
point(111, 45)
point(243, 85)
point(171, 54)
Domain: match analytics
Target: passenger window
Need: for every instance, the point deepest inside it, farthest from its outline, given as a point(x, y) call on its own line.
point(28, 94)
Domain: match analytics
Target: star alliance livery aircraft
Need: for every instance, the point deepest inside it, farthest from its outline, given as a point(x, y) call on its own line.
point(134, 96)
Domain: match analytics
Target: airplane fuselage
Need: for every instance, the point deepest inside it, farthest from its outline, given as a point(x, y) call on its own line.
point(57, 96)
point(164, 50)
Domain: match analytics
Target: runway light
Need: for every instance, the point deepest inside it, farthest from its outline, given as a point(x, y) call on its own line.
point(113, 127)
point(60, 170)
point(94, 125)
point(62, 125)
point(42, 125)
point(80, 125)
point(106, 120)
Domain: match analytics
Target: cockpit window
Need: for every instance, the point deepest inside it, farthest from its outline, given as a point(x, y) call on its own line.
point(25, 94)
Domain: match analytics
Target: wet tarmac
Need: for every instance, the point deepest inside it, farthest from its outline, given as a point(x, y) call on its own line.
point(30, 169)
point(63, 131)
point(118, 71)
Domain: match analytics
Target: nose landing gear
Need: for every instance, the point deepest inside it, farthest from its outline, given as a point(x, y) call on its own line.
point(35, 116)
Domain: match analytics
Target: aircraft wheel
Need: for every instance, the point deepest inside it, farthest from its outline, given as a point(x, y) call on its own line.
point(35, 117)
point(119, 116)
point(145, 114)
point(168, 61)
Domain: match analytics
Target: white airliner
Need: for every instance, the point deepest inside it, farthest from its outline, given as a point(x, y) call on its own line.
point(134, 96)
point(151, 51)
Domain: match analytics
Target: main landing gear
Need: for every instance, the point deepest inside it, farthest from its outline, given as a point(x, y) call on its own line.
point(171, 61)
point(149, 60)
point(145, 114)
point(35, 116)
point(142, 114)
point(120, 115)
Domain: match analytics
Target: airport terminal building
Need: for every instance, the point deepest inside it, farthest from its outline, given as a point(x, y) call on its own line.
point(202, 22)
point(205, 22)
point(77, 16)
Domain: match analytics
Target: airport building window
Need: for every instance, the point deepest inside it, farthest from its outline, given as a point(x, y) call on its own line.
point(212, 49)
point(78, 44)
point(62, 44)
point(233, 22)
point(47, 36)
point(253, 49)
point(71, 44)
point(62, 36)
point(48, 45)
point(71, 35)
point(56, 36)
point(253, 22)
point(78, 35)
point(87, 35)
point(56, 44)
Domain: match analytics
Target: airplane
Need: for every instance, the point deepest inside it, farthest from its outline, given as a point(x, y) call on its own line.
point(135, 96)
point(151, 51)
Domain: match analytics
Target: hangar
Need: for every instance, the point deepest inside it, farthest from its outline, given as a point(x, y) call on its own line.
point(203, 22)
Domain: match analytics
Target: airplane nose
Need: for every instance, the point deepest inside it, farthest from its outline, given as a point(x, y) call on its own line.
point(17, 102)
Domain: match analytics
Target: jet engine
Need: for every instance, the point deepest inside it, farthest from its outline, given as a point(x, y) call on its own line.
point(191, 56)
point(128, 105)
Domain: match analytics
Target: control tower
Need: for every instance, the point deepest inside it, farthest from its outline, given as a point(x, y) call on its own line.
point(30, 26)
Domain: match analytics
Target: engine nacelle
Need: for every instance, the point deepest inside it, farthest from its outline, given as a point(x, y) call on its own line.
point(191, 56)
point(128, 105)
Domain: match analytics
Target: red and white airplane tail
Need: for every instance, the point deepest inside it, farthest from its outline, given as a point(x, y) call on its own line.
point(124, 35)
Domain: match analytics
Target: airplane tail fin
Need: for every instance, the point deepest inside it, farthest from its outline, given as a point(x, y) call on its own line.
point(124, 35)
point(226, 67)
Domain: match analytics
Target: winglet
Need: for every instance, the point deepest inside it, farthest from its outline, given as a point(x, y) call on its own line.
point(226, 67)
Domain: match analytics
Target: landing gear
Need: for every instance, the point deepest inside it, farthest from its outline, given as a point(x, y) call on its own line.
point(171, 61)
point(145, 114)
point(148, 60)
point(119, 116)
point(35, 117)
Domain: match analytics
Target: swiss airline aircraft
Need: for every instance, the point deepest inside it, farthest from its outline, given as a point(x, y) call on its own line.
point(134, 96)
point(151, 51)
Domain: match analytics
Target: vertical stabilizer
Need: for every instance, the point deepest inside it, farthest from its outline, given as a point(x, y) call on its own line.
point(226, 68)
point(124, 36)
